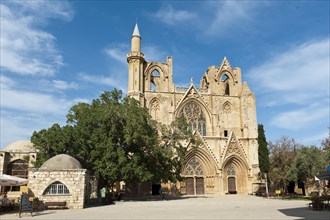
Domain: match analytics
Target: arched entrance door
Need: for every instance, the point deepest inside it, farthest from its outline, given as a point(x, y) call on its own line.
point(194, 177)
point(232, 185)
point(231, 179)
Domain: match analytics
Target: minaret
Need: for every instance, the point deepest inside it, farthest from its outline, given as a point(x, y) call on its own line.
point(136, 61)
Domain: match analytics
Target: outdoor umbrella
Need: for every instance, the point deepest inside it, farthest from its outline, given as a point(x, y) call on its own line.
point(324, 176)
point(7, 180)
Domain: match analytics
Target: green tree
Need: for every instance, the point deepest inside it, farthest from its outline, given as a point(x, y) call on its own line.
point(263, 151)
point(175, 137)
point(115, 139)
point(309, 162)
point(325, 144)
point(54, 140)
point(282, 154)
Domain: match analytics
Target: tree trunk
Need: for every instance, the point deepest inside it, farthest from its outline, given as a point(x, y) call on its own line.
point(266, 184)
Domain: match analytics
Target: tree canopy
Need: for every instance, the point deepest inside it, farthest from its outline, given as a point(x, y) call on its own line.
point(116, 140)
point(295, 163)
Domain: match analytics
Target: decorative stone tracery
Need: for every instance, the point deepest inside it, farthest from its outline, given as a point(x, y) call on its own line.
point(230, 170)
point(226, 108)
point(195, 117)
point(154, 108)
point(193, 167)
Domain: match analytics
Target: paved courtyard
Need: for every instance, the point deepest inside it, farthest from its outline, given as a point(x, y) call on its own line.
point(222, 207)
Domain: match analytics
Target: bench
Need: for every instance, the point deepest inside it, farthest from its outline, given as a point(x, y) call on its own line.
point(55, 204)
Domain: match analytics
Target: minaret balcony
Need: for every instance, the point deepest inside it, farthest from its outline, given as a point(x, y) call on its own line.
point(136, 54)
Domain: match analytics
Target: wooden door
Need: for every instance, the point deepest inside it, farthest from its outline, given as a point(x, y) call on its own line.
point(232, 185)
point(199, 186)
point(190, 186)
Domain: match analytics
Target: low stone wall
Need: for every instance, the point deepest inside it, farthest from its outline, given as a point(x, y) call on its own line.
point(74, 180)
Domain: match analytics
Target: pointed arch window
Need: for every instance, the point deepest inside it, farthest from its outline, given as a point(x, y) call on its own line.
point(155, 74)
point(56, 188)
point(231, 170)
point(227, 88)
point(193, 167)
point(195, 117)
point(225, 79)
point(154, 109)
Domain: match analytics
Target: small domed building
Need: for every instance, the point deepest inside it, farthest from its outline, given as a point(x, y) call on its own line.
point(61, 178)
point(16, 159)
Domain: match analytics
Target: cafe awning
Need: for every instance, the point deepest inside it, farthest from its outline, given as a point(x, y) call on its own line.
point(324, 176)
point(8, 180)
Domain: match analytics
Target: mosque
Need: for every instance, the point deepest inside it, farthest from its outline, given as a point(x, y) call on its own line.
point(221, 112)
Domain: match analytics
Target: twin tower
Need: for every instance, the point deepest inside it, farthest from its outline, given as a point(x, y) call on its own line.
point(221, 112)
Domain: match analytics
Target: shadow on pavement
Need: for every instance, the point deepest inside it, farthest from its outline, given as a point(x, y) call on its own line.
point(159, 198)
point(307, 214)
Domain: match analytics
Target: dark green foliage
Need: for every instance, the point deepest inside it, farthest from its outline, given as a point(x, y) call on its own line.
point(263, 150)
point(291, 162)
point(116, 140)
point(308, 162)
point(282, 154)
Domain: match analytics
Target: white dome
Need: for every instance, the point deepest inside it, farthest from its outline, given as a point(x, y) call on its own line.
point(20, 146)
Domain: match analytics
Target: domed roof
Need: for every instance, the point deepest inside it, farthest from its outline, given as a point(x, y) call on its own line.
point(20, 146)
point(61, 162)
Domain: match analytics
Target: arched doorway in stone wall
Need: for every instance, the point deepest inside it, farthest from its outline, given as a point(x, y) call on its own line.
point(194, 174)
point(19, 168)
point(231, 179)
point(235, 176)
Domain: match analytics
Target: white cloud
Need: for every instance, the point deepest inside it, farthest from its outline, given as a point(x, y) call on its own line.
point(211, 17)
point(154, 53)
point(25, 48)
point(26, 101)
point(46, 9)
point(171, 16)
point(315, 139)
point(228, 15)
point(24, 111)
point(301, 118)
point(295, 84)
point(118, 52)
point(299, 75)
point(115, 81)
point(21, 126)
point(6, 82)
point(63, 85)
point(33, 102)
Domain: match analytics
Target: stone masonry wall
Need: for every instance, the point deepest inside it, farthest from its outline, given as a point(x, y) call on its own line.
point(74, 180)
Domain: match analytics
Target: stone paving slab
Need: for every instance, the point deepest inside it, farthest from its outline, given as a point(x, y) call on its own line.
point(222, 207)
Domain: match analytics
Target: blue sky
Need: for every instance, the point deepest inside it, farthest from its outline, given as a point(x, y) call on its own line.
point(55, 54)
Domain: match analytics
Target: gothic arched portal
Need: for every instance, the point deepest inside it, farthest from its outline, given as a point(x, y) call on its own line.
point(194, 175)
point(235, 176)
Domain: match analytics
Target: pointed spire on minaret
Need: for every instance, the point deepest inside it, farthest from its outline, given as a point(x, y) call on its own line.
point(136, 30)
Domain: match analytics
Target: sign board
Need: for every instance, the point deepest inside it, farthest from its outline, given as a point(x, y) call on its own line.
point(299, 191)
point(278, 192)
point(25, 205)
point(24, 189)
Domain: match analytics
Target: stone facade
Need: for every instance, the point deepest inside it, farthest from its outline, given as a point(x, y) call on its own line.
point(221, 112)
point(17, 151)
point(76, 182)
point(15, 160)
